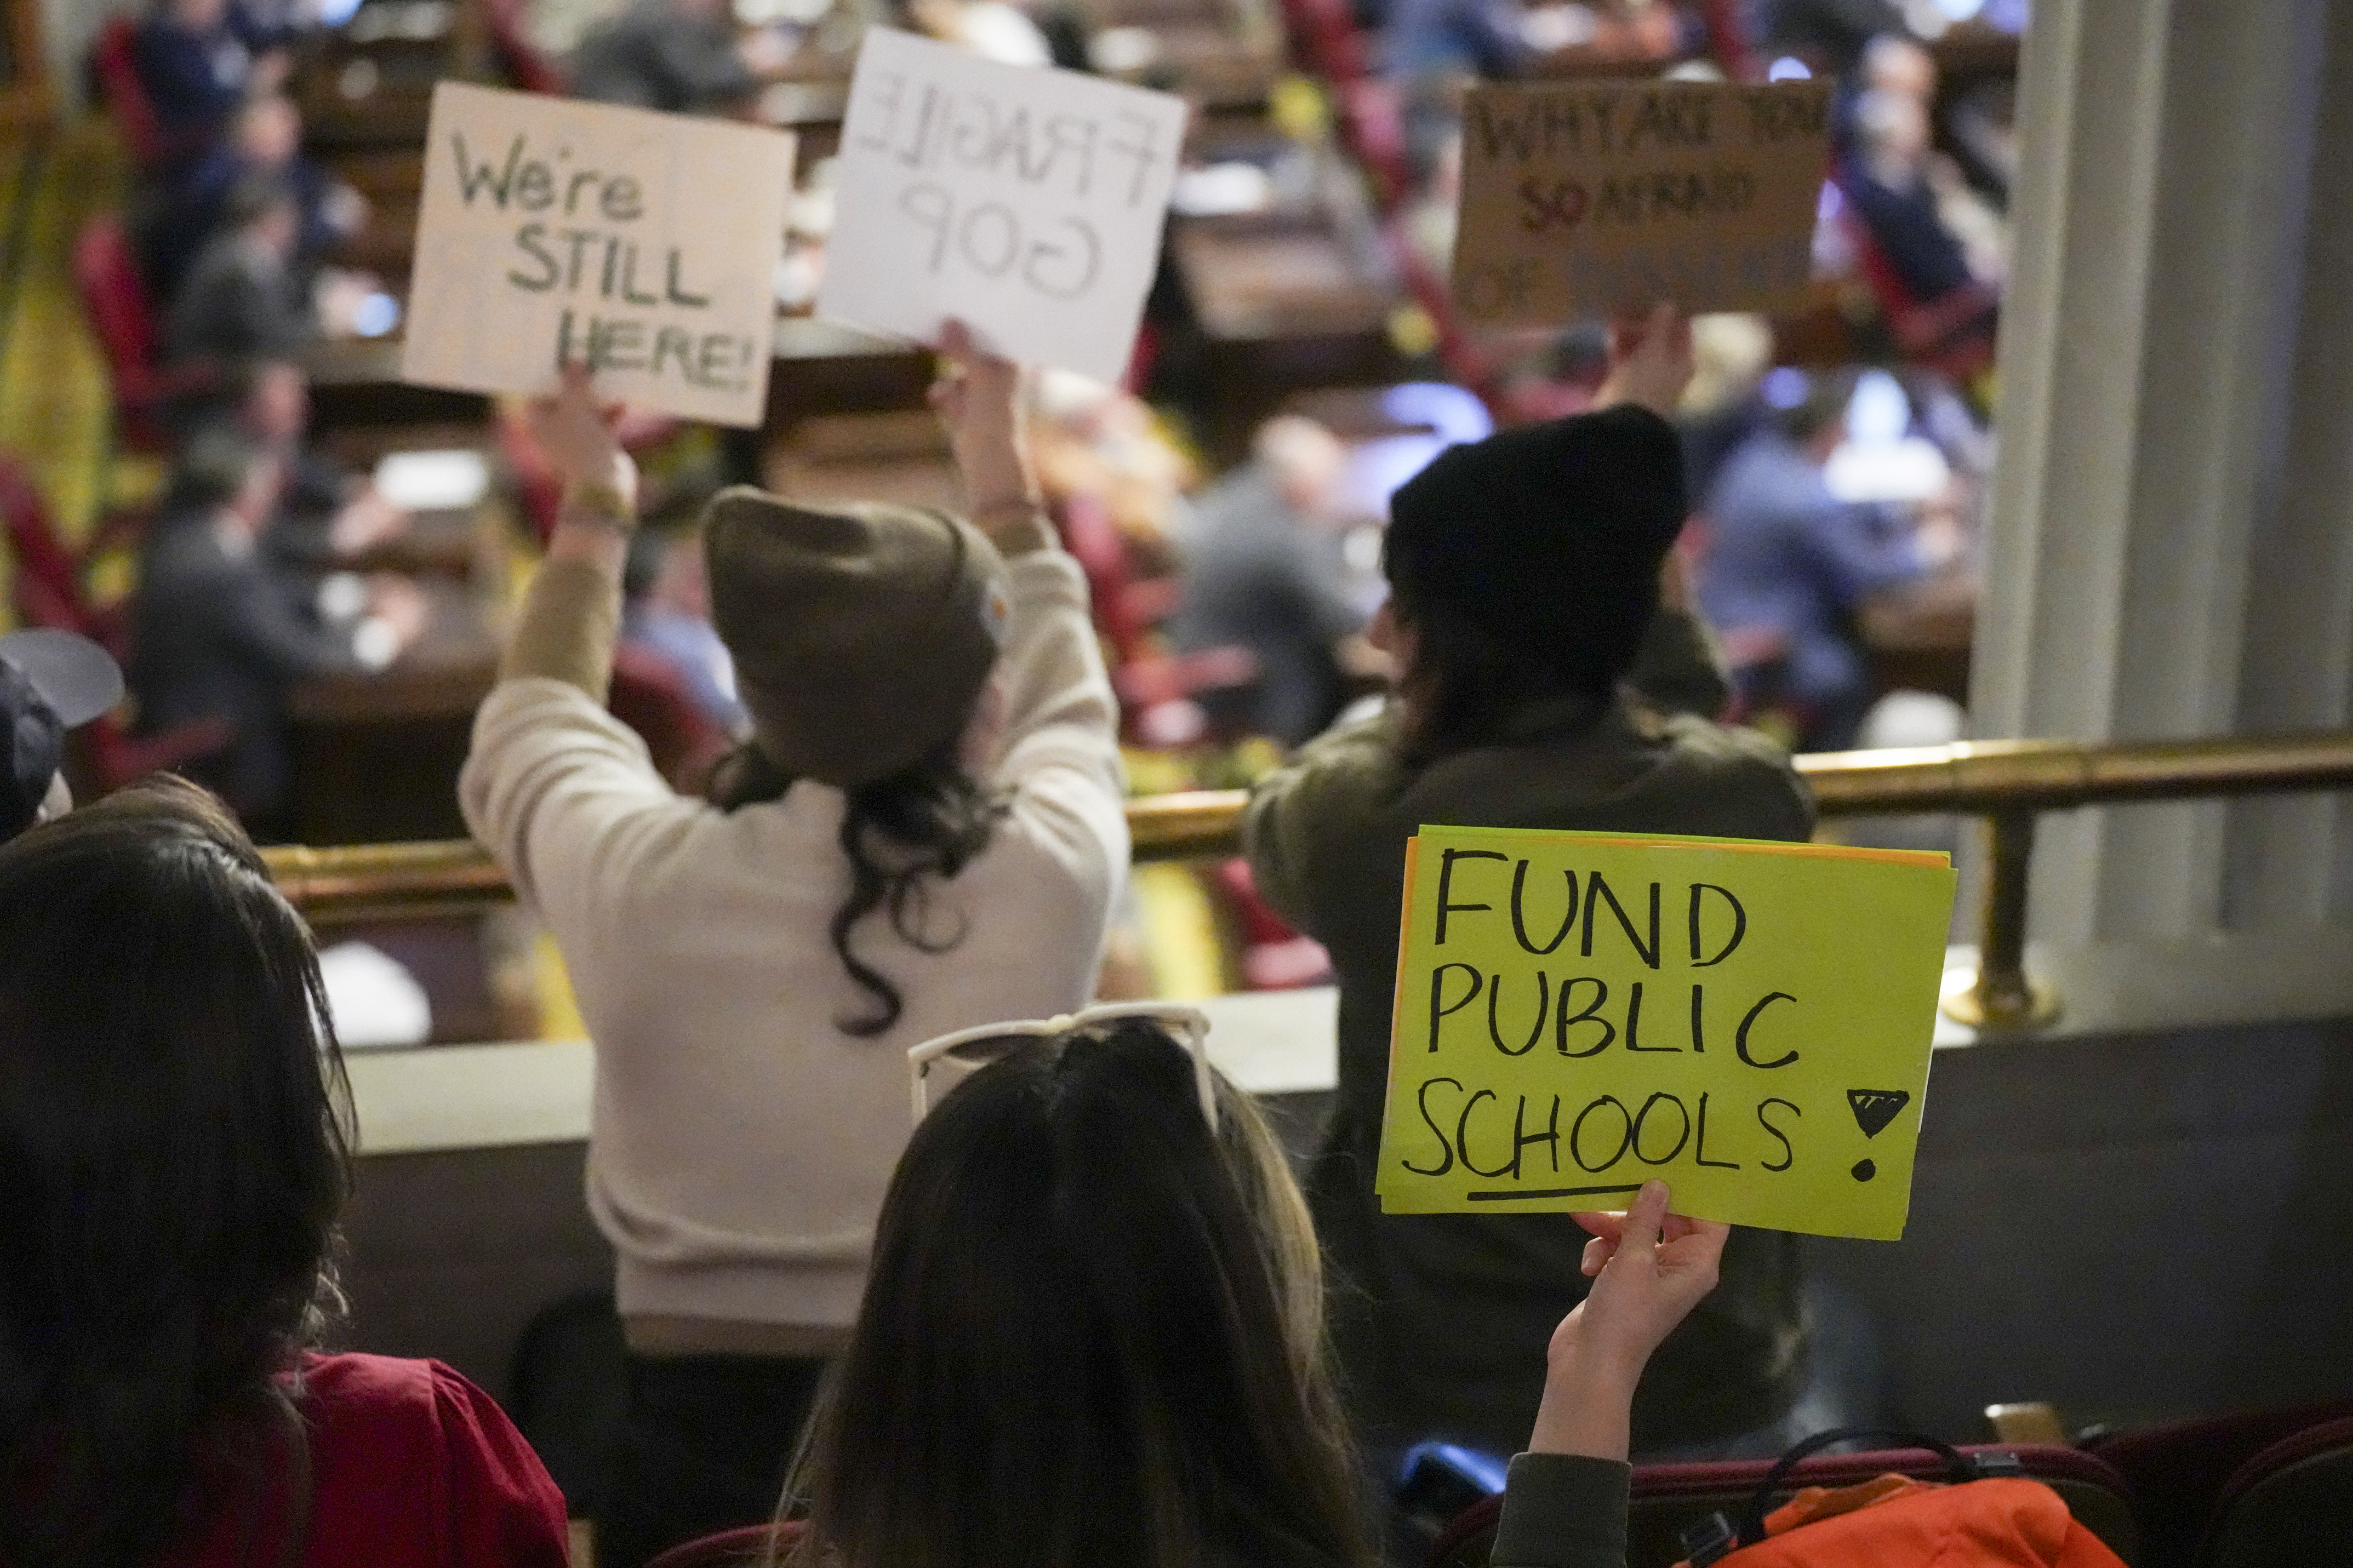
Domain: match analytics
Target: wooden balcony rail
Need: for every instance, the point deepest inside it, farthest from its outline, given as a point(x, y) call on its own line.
point(2006, 784)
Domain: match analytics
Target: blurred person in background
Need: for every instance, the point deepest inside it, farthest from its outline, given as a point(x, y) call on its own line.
point(1790, 568)
point(264, 140)
point(680, 57)
point(242, 300)
point(325, 513)
point(221, 631)
point(1265, 573)
point(666, 609)
point(199, 60)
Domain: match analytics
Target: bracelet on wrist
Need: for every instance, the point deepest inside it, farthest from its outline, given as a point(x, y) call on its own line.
point(602, 500)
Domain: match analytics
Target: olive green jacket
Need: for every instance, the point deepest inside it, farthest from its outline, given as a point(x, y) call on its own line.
point(1441, 1319)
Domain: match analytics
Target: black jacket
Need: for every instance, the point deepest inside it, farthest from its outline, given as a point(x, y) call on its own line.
point(219, 632)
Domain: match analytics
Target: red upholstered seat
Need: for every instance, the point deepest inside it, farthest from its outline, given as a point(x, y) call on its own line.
point(2177, 1470)
point(2289, 1505)
point(115, 295)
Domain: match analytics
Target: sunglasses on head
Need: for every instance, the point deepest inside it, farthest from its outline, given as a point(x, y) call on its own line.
point(985, 1043)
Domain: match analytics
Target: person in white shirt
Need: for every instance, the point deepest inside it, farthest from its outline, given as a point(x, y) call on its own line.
point(924, 832)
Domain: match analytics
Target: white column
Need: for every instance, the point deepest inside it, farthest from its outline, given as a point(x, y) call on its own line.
point(2171, 546)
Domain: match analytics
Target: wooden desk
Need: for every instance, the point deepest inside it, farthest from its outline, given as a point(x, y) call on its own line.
point(356, 381)
point(1284, 303)
point(902, 458)
point(376, 755)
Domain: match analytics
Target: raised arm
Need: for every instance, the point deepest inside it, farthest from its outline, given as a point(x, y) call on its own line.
point(570, 615)
point(1565, 1505)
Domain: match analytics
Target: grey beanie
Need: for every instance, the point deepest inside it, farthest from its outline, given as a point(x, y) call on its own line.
point(863, 633)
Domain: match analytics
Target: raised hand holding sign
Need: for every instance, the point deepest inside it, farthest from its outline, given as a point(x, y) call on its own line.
point(640, 245)
point(1027, 204)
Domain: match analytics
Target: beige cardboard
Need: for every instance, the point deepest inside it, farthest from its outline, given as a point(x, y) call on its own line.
point(642, 245)
point(1600, 198)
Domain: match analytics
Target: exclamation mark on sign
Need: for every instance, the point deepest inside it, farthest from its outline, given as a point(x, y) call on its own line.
point(1874, 1110)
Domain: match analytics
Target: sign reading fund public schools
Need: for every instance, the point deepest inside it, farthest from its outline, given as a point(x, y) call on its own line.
point(1588, 198)
point(1026, 203)
point(1578, 1013)
point(639, 245)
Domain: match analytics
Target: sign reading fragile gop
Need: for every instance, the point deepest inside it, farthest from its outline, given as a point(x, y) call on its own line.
point(1578, 1013)
point(1026, 203)
point(1604, 198)
point(642, 246)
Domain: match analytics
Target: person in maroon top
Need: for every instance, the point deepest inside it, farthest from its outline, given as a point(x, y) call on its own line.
point(174, 1152)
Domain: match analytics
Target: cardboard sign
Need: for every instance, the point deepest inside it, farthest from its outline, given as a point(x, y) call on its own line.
point(640, 245)
point(1603, 198)
point(1578, 1012)
point(1026, 203)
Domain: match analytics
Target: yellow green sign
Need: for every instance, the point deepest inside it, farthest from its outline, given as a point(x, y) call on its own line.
point(1578, 1013)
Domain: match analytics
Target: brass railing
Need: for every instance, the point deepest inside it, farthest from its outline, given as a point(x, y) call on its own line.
point(2005, 784)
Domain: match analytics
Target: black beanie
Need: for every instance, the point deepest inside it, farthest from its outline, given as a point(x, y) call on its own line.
point(1548, 537)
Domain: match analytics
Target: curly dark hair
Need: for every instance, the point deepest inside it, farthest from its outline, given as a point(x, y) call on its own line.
point(174, 1145)
point(922, 824)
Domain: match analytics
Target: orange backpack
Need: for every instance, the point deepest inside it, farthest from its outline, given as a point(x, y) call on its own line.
point(1978, 1517)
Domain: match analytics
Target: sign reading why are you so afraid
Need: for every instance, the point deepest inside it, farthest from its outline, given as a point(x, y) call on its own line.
point(643, 245)
point(1597, 198)
point(1578, 1013)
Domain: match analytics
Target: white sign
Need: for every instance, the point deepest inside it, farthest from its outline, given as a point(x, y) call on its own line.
point(1026, 203)
point(639, 245)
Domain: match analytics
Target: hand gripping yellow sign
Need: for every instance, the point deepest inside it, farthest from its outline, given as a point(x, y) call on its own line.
point(1578, 1013)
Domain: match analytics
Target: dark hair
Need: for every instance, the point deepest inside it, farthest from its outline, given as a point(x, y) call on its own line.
point(927, 821)
point(1465, 679)
point(174, 1157)
point(1092, 1336)
point(212, 468)
point(256, 196)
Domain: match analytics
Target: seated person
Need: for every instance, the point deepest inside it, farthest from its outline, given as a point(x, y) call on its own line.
point(1789, 567)
point(1092, 1334)
point(1264, 572)
point(923, 831)
point(243, 300)
point(325, 514)
point(178, 1157)
point(220, 631)
point(264, 140)
point(666, 608)
point(683, 56)
point(1544, 685)
point(1908, 196)
point(50, 683)
point(199, 60)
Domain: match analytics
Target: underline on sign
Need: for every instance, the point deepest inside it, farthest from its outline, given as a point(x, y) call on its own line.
point(1546, 1193)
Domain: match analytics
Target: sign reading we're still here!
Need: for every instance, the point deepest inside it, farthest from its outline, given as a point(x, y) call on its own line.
point(642, 246)
point(1578, 1012)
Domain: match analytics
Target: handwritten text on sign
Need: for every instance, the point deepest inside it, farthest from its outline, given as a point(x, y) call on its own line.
point(640, 245)
point(1599, 199)
point(1578, 1013)
point(1026, 203)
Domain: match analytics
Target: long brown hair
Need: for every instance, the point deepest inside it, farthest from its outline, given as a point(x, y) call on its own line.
point(173, 1152)
point(1091, 1337)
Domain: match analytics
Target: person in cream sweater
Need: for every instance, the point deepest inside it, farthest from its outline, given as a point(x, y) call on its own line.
point(924, 832)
